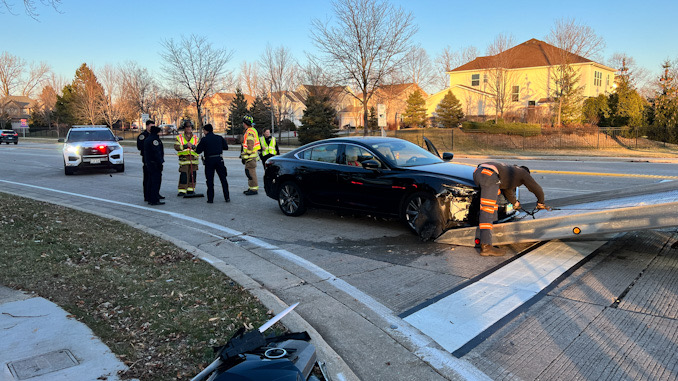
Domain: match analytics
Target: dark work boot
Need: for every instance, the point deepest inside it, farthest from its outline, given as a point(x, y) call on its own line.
point(490, 251)
point(250, 192)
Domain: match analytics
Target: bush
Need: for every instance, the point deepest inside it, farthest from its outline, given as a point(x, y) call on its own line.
point(501, 127)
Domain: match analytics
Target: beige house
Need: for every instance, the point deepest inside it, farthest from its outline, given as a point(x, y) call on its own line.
point(16, 108)
point(290, 104)
point(394, 97)
point(530, 72)
point(216, 109)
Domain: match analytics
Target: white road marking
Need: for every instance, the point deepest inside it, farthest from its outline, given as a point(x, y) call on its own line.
point(441, 360)
point(456, 319)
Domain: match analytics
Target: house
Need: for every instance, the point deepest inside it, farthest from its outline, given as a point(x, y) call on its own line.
point(15, 108)
point(216, 109)
point(530, 72)
point(394, 97)
point(291, 104)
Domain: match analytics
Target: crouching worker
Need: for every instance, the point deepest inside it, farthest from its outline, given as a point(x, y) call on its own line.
point(497, 178)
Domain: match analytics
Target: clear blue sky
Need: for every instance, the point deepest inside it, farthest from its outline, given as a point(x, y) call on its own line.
point(101, 32)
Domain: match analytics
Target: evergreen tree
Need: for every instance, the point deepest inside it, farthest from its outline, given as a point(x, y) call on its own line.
point(596, 110)
point(372, 120)
point(568, 95)
point(261, 112)
point(237, 110)
point(448, 112)
point(626, 105)
point(63, 110)
point(666, 105)
point(319, 120)
point(88, 97)
point(415, 113)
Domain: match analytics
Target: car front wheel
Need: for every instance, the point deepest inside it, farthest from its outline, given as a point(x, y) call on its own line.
point(422, 214)
point(291, 200)
point(120, 167)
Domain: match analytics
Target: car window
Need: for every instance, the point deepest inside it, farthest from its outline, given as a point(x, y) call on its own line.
point(91, 135)
point(354, 155)
point(405, 154)
point(326, 153)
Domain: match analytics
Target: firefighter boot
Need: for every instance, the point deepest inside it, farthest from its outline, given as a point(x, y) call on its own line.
point(490, 251)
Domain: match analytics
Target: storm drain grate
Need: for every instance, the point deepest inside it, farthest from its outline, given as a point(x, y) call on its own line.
point(42, 364)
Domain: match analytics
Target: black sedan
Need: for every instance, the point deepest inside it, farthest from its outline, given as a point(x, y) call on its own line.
point(380, 176)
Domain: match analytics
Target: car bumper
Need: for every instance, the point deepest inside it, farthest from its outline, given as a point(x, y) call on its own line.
point(114, 158)
point(9, 139)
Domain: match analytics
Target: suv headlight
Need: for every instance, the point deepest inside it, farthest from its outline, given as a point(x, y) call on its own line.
point(74, 149)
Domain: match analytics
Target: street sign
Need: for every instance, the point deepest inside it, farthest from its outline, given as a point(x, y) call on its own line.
point(381, 114)
point(24, 123)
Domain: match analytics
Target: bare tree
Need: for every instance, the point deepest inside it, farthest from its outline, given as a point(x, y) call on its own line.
point(89, 95)
point(499, 76)
point(574, 41)
point(138, 87)
point(195, 67)
point(448, 59)
point(112, 98)
point(173, 104)
point(639, 77)
point(30, 6)
point(368, 44)
point(37, 74)
point(417, 68)
point(11, 69)
point(280, 70)
point(46, 104)
point(250, 79)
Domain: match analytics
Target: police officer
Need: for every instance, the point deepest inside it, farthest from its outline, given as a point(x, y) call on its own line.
point(269, 146)
point(154, 157)
point(493, 179)
point(140, 146)
point(250, 154)
point(213, 146)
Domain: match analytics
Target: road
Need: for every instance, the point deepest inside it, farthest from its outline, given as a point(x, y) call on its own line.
point(373, 269)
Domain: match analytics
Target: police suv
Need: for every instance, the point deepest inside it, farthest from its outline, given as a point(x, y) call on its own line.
point(92, 147)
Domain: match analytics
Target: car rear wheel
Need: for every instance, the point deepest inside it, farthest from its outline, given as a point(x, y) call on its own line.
point(291, 200)
point(15, 143)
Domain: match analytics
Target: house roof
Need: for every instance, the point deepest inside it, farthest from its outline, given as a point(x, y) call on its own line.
point(18, 99)
point(531, 53)
point(227, 98)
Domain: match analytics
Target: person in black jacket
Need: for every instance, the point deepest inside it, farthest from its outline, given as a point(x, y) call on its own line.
point(493, 179)
point(140, 146)
point(154, 157)
point(213, 146)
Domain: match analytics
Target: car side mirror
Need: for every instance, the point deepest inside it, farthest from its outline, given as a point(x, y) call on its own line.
point(371, 164)
point(447, 156)
point(119, 138)
point(61, 140)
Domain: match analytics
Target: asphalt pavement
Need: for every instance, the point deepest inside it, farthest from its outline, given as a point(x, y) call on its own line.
point(609, 315)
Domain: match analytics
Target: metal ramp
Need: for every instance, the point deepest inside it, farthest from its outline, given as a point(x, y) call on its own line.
point(646, 207)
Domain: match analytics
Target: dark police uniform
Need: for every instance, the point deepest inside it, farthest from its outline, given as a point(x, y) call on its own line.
point(213, 146)
point(140, 146)
point(154, 157)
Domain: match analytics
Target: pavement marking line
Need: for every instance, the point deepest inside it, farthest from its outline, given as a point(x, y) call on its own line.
point(458, 318)
point(422, 343)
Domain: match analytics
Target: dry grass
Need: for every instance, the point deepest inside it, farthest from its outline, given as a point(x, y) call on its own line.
point(158, 308)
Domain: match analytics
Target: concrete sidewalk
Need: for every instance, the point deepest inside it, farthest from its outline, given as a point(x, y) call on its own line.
point(41, 341)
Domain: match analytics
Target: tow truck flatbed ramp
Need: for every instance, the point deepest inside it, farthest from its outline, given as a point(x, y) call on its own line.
point(639, 208)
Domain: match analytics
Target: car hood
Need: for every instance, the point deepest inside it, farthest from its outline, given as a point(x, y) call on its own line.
point(461, 173)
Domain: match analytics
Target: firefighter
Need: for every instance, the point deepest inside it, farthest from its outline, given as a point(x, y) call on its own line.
point(188, 159)
point(250, 154)
point(269, 146)
point(495, 179)
point(154, 157)
point(213, 146)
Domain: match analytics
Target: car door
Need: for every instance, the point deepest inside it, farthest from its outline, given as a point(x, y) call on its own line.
point(317, 173)
point(371, 190)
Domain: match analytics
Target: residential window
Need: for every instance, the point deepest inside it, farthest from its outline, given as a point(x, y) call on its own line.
point(607, 81)
point(484, 78)
point(531, 103)
point(475, 80)
point(597, 78)
point(515, 93)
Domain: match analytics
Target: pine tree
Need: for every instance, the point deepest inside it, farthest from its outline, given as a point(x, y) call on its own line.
point(627, 106)
point(448, 112)
point(319, 120)
point(372, 120)
point(261, 112)
point(415, 113)
point(237, 110)
point(666, 105)
point(88, 96)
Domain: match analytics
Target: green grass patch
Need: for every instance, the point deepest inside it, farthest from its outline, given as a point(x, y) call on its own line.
point(156, 306)
point(490, 127)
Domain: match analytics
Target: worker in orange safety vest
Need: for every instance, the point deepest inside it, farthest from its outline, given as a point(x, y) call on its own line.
point(188, 159)
point(250, 154)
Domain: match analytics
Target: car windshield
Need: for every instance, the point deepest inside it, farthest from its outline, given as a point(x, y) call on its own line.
point(405, 154)
point(91, 135)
